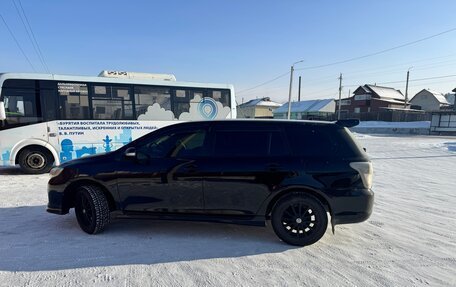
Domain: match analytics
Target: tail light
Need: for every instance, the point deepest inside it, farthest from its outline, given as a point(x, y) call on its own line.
point(365, 170)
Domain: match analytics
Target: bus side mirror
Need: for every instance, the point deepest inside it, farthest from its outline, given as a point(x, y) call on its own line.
point(2, 111)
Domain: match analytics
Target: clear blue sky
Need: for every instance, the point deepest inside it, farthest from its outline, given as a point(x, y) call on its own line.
point(241, 42)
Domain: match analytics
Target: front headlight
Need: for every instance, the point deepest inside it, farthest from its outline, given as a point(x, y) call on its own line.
point(55, 171)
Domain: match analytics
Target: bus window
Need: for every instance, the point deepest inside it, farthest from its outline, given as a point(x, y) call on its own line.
point(145, 97)
point(48, 105)
point(221, 96)
point(111, 103)
point(74, 101)
point(21, 107)
point(181, 102)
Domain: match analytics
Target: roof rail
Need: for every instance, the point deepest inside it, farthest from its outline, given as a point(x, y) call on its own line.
point(348, 123)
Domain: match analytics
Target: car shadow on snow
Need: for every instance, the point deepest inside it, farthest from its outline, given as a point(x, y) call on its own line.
point(33, 240)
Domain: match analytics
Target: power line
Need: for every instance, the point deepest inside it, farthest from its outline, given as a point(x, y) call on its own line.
point(40, 54)
point(265, 83)
point(17, 43)
point(422, 79)
point(354, 58)
point(413, 80)
point(379, 52)
point(386, 69)
point(28, 33)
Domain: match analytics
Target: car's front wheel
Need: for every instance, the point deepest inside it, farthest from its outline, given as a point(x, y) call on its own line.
point(92, 209)
point(299, 219)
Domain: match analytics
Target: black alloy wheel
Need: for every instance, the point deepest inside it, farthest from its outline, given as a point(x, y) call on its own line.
point(92, 209)
point(299, 219)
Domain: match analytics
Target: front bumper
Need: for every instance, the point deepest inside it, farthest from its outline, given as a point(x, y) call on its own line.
point(55, 203)
point(352, 207)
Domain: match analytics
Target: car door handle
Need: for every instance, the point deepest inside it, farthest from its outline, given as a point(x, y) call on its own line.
point(273, 167)
point(52, 134)
point(191, 168)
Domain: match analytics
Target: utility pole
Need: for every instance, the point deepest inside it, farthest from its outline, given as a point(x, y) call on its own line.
point(340, 95)
point(291, 85)
point(406, 88)
point(299, 90)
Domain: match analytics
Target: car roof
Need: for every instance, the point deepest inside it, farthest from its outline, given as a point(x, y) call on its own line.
point(265, 121)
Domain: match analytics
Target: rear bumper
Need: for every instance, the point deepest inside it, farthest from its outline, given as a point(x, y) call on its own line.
point(352, 207)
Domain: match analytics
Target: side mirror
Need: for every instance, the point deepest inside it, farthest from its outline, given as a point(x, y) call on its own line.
point(2, 111)
point(130, 152)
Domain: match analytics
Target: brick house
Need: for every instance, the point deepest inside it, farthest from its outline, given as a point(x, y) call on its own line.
point(372, 98)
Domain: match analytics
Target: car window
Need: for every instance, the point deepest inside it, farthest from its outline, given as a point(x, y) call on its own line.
point(176, 144)
point(248, 143)
point(311, 141)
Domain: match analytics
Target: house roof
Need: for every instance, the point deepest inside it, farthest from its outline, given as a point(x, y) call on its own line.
point(393, 101)
point(438, 96)
point(265, 102)
point(386, 92)
point(304, 106)
point(363, 89)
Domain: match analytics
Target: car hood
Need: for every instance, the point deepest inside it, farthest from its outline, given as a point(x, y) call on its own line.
point(88, 159)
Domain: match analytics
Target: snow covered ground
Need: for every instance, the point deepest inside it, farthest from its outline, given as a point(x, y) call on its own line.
point(410, 239)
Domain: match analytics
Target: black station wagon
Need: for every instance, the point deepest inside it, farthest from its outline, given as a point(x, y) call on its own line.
point(292, 173)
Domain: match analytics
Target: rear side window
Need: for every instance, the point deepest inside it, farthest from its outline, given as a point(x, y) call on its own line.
point(311, 141)
point(249, 143)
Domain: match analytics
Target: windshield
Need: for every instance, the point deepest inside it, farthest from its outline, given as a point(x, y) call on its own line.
point(20, 107)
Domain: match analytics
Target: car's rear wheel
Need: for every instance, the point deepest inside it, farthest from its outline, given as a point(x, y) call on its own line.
point(35, 160)
point(92, 209)
point(299, 219)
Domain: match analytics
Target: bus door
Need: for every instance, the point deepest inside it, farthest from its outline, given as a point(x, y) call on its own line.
point(49, 112)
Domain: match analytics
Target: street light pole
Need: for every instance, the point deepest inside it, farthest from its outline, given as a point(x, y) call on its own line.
point(340, 96)
point(291, 85)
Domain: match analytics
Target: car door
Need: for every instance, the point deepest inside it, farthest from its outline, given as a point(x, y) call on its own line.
point(164, 177)
point(248, 163)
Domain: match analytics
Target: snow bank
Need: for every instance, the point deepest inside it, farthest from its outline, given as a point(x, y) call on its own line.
point(398, 125)
point(378, 127)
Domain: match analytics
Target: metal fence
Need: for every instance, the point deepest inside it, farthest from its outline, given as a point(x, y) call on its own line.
point(386, 116)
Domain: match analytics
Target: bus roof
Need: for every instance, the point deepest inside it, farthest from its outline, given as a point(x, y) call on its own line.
point(137, 81)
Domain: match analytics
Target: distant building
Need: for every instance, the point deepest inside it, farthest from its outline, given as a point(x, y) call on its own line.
point(307, 110)
point(372, 98)
point(429, 100)
point(451, 98)
point(258, 108)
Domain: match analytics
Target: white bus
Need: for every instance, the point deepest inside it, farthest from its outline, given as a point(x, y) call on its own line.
point(48, 119)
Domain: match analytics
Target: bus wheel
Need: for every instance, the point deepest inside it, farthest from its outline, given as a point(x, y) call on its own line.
point(35, 160)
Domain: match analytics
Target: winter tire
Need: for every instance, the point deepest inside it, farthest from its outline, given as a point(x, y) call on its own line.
point(299, 219)
point(92, 209)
